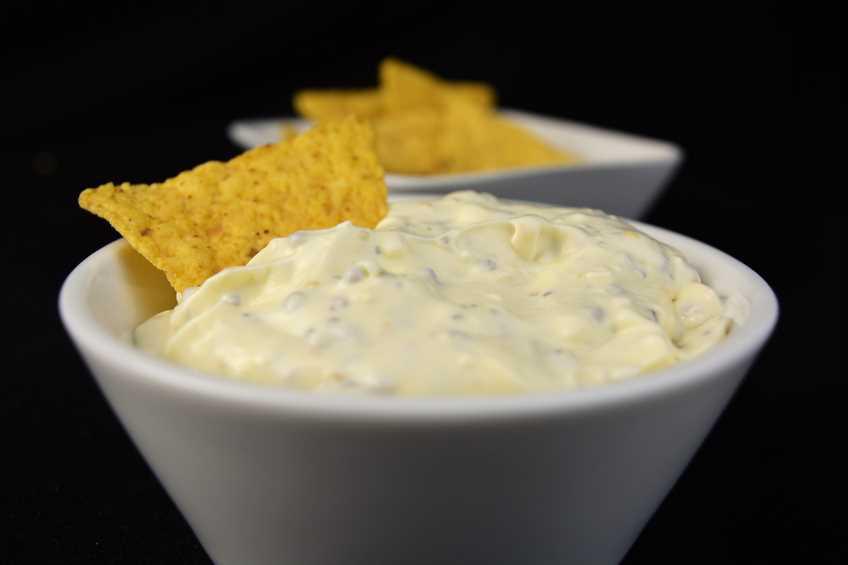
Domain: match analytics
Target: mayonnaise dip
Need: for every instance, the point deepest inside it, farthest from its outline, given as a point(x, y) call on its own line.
point(460, 295)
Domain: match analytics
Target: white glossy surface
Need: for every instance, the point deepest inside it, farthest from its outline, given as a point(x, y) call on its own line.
point(272, 476)
point(621, 174)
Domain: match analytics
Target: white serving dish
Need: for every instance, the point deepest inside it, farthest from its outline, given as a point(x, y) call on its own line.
point(621, 174)
point(266, 475)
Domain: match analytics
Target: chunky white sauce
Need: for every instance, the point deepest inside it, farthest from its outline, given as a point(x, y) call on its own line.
point(463, 294)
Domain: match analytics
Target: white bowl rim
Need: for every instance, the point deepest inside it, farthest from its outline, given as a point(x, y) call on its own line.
point(174, 379)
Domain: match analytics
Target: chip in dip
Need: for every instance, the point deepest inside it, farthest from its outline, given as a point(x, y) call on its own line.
point(460, 295)
point(219, 215)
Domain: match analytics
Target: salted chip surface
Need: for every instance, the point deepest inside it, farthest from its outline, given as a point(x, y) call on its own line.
point(219, 215)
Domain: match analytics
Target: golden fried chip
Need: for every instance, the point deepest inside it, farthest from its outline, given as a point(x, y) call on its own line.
point(402, 87)
point(320, 105)
point(477, 93)
point(406, 87)
point(408, 142)
point(427, 125)
point(461, 137)
point(219, 215)
point(477, 140)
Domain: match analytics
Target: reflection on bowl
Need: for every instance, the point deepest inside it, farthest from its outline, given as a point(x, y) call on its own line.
point(266, 475)
point(619, 173)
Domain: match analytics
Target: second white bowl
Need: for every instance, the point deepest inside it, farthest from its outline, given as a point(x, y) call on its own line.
point(620, 174)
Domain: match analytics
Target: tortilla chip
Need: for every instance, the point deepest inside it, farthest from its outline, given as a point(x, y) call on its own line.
point(459, 138)
point(219, 215)
point(478, 94)
point(426, 125)
point(406, 87)
point(476, 140)
point(402, 87)
point(408, 142)
point(321, 105)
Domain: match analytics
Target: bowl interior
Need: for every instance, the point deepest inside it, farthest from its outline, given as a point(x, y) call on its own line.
point(124, 289)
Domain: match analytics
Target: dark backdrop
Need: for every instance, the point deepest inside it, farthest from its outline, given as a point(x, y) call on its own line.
point(754, 94)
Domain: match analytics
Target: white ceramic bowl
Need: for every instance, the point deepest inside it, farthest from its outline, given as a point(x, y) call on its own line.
point(265, 475)
point(621, 174)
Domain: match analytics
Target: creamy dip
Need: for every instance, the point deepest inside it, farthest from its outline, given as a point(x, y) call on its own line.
point(458, 295)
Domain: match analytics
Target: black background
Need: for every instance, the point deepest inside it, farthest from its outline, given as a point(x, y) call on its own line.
point(755, 95)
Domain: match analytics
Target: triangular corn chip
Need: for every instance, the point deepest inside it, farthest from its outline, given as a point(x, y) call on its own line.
point(459, 138)
point(219, 215)
point(402, 87)
point(426, 125)
point(406, 87)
